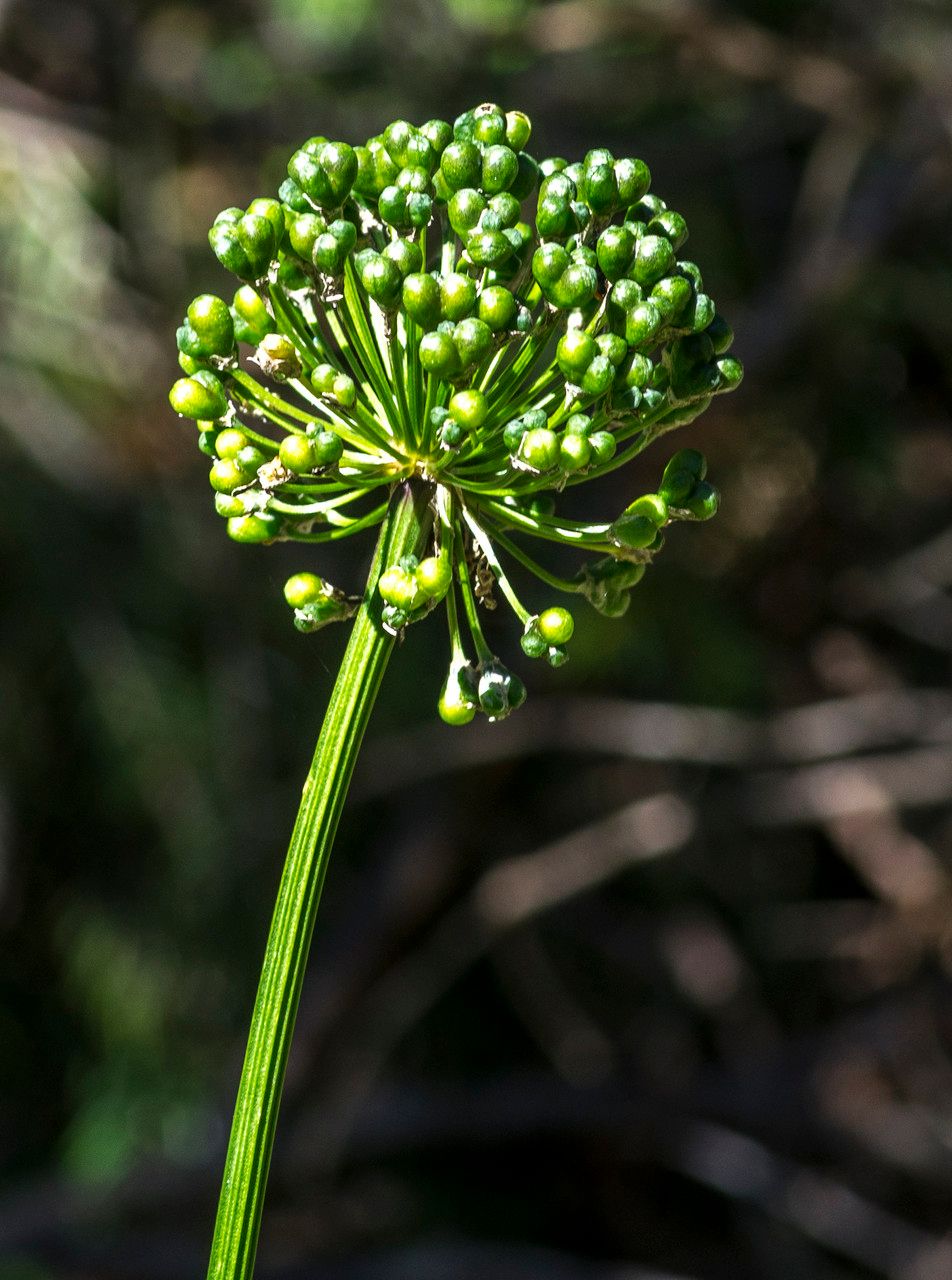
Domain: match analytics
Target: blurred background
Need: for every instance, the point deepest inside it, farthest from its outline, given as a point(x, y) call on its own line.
point(651, 982)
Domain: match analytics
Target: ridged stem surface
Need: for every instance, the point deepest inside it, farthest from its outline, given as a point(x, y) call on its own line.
point(269, 1041)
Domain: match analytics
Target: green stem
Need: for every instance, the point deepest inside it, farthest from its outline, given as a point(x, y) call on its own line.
point(482, 542)
point(543, 574)
point(269, 1040)
point(470, 608)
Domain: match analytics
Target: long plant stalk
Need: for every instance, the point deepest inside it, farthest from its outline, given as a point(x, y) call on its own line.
point(269, 1041)
point(427, 354)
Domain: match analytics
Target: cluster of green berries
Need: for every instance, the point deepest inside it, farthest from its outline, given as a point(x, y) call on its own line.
point(439, 307)
point(315, 602)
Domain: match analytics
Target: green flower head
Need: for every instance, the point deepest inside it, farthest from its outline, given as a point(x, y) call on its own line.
point(438, 307)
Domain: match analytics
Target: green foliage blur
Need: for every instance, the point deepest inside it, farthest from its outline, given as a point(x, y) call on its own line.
point(730, 1056)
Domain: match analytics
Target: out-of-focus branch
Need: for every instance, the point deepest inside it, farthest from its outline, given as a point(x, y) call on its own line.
point(664, 732)
point(515, 890)
point(812, 77)
point(823, 1208)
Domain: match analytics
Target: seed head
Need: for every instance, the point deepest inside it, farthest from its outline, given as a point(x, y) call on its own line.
point(437, 306)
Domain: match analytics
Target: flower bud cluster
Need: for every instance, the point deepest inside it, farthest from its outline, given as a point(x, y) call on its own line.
point(411, 587)
point(487, 686)
point(439, 307)
point(315, 602)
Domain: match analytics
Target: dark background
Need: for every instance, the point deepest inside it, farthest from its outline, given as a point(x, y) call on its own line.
point(653, 980)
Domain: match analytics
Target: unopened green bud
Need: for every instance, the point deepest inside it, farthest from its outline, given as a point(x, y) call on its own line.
point(731, 373)
point(488, 248)
point(434, 575)
point(638, 526)
point(671, 225)
point(642, 323)
point(700, 313)
point(226, 475)
point(326, 446)
point(651, 505)
point(250, 458)
point(516, 693)
point(438, 133)
point(575, 352)
point(493, 690)
point(518, 129)
point(230, 442)
point(211, 322)
point(331, 248)
point(394, 619)
point(613, 347)
point(303, 233)
point(598, 377)
point(702, 504)
point(720, 334)
point(189, 364)
point(451, 435)
point(438, 355)
point(322, 378)
point(278, 356)
point(344, 390)
point(469, 408)
point(512, 434)
point(297, 454)
point(454, 706)
point(527, 177)
point(681, 476)
point(575, 287)
point(575, 452)
point(405, 254)
point(457, 296)
point(396, 138)
point(400, 588)
point(245, 247)
point(671, 295)
point(603, 445)
point(539, 449)
point(230, 504)
point(613, 604)
point(633, 178)
point(381, 278)
point(497, 307)
point(326, 174)
point(201, 396)
point(533, 643)
point(556, 625)
point(489, 124)
point(260, 527)
point(421, 299)
point(206, 443)
point(626, 295)
point(461, 165)
point(473, 340)
point(465, 209)
point(291, 195)
point(304, 588)
point(542, 505)
point(619, 575)
point(499, 169)
point(251, 317)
